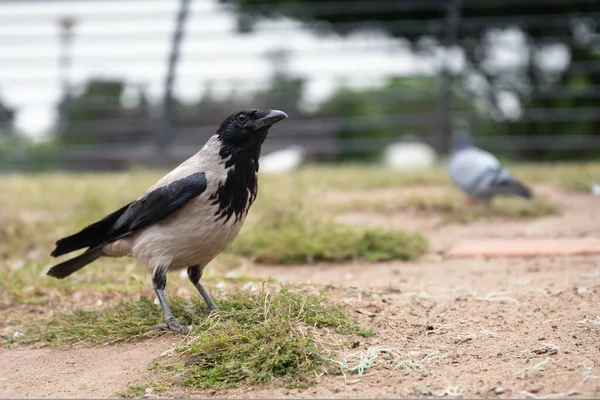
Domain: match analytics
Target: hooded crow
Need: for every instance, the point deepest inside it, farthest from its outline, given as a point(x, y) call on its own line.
point(188, 217)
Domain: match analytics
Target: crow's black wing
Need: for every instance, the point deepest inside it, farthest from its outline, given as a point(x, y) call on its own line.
point(153, 207)
point(160, 203)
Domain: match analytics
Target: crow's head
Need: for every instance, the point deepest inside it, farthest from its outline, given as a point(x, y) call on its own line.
point(248, 128)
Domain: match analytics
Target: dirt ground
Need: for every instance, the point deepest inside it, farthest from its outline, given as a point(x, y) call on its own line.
point(506, 327)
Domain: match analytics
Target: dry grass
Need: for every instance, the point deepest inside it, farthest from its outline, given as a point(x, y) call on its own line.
point(569, 176)
point(451, 206)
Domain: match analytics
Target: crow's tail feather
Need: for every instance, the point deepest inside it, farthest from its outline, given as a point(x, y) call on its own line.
point(66, 268)
point(90, 236)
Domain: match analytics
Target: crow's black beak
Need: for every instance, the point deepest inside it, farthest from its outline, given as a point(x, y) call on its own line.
point(273, 117)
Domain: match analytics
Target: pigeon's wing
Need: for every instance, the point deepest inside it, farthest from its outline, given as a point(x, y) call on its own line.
point(154, 206)
point(504, 183)
point(471, 168)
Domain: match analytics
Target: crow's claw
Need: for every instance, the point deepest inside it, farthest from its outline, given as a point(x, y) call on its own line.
point(172, 326)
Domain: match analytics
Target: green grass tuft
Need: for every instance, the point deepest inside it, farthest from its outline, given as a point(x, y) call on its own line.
point(133, 392)
point(502, 208)
point(288, 237)
point(129, 321)
point(147, 388)
point(253, 338)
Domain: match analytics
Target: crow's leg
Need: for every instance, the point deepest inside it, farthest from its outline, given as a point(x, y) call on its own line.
point(195, 273)
point(159, 281)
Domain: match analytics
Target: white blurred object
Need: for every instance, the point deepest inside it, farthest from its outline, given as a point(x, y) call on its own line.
point(404, 156)
point(596, 189)
point(282, 160)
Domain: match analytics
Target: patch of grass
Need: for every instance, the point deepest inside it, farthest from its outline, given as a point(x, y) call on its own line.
point(570, 176)
point(253, 338)
point(289, 226)
point(288, 237)
point(129, 321)
point(503, 208)
point(427, 204)
point(350, 177)
point(133, 391)
point(148, 388)
point(453, 208)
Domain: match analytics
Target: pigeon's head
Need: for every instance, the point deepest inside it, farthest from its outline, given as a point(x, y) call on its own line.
point(462, 141)
point(248, 128)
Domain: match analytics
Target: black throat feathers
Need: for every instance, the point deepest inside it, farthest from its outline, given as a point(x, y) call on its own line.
point(236, 194)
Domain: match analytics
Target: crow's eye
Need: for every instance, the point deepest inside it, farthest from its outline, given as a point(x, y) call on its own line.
point(242, 118)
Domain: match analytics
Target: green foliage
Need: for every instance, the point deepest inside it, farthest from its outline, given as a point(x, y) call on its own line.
point(84, 107)
point(575, 88)
point(133, 392)
point(252, 338)
point(387, 112)
point(99, 101)
point(19, 153)
point(7, 119)
point(344, 21)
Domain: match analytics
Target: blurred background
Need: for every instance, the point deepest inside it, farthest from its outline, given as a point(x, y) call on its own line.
point(101, 84)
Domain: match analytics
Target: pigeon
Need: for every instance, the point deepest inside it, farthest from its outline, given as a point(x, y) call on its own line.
point(188, 217)
point(480, 174)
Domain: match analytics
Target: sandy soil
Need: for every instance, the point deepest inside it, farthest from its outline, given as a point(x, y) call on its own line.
point(506, 327)
point(76, 373)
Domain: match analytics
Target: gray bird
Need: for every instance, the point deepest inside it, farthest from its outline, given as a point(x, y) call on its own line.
point(188, 217)
point(480, 174)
